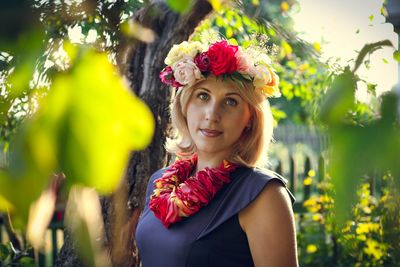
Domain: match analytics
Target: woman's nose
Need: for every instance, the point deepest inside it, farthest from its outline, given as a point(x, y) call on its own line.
point(213, 112)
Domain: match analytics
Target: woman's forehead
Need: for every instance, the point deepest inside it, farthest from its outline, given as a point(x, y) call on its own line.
point(218, 86)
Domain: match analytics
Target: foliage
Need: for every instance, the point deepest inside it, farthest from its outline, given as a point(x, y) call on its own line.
point(370, 236)
point(9, 256)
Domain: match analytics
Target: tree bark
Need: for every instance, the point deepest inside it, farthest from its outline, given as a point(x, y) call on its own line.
point(143, 63)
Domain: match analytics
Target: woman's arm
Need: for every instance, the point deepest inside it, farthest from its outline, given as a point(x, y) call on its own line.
point(269, 225)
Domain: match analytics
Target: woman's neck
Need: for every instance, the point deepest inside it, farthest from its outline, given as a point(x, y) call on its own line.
point(205, 161)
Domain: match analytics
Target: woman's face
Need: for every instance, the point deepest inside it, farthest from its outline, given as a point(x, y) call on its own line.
point(216, 117)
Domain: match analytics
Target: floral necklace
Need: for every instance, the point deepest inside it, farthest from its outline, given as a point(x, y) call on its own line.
point(177, 194)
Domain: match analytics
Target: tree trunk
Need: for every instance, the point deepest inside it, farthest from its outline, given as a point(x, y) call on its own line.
point(143, 63)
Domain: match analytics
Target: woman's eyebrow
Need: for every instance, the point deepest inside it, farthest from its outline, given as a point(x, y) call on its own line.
point(234, 94)
point(202, 88)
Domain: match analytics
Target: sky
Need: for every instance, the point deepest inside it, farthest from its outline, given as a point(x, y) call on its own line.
point(344, 27)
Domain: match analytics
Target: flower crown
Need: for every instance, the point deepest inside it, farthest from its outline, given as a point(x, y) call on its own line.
point(189, 62)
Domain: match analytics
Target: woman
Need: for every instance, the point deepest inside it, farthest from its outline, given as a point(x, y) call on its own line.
point(213, 206)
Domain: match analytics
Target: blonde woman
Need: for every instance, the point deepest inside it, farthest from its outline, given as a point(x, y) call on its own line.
point(215, 206)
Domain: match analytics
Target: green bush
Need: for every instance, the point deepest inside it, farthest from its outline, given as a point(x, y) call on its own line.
point(371, 236)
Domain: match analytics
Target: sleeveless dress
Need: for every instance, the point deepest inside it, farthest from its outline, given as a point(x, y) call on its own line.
point(212, 237)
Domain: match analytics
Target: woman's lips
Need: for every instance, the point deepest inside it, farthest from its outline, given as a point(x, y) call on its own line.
point(210, 133)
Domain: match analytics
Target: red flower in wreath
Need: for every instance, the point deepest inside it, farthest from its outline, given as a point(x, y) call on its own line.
point(167, 77)
point(202, 61)
point(222, 58)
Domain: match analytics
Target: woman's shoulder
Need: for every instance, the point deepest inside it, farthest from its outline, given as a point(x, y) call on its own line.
point(261, 177)
point(266, 175)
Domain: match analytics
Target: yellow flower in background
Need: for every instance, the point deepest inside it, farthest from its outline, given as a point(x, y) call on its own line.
point(362, 237)
point(307, 181)
point(302, 68)
point(383, 199)
point(315, 208)
point(285, 6)
point(310, 202)
point(317, 46)
point(325, 199)
point(367, 228)
point(311, 173)
point(347, 227)
point(286, 48)
point(362, 228)
point(317, 217)
point(366, 210)
point(375, 249)
point(311, 248)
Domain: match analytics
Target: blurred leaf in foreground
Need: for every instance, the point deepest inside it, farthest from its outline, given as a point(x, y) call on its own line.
point(99, 123)
point(359, 150)
point(86, 127)
point(339, 99)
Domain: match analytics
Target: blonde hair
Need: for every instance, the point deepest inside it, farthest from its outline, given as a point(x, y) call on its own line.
point(251, 148)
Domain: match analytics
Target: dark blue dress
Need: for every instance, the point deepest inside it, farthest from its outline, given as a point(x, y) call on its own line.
point(212, 237)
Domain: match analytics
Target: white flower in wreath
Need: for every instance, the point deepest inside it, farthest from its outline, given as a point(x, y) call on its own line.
point(183, 50)
point(186, 72)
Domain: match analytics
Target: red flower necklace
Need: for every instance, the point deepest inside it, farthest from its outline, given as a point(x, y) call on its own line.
point(177, 194)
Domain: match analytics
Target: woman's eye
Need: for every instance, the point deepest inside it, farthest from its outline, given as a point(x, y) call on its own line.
point(231, 102)
point(203, 96)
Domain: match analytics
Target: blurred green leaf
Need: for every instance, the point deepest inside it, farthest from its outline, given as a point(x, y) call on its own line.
point(371, 87)
point(4, 204)
point(396, 56)
point(339, 98)
point(101, 124)
point(180, 6)
point(358, 151)
point(229, 32)
point(32, 159)
point(21, 77)
point(27, 262)
point(371, 17)
point(86, 126)
point(4, 252)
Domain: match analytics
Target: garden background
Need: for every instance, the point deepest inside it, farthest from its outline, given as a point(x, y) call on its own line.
point(84, 117)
